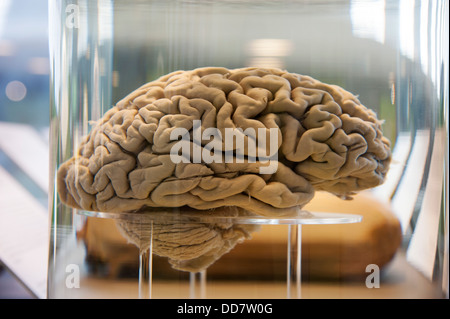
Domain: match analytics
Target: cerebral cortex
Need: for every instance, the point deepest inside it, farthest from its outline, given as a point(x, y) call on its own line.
point(326, 141)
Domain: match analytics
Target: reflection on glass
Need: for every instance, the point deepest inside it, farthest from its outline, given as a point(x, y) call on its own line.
point(369, 19)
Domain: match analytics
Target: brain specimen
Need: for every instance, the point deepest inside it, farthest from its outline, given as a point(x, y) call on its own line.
point(323, 137)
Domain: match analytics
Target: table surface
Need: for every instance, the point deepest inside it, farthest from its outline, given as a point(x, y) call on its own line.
point(399, 280)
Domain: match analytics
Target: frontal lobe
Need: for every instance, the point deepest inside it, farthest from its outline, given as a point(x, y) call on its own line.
point(326, 140)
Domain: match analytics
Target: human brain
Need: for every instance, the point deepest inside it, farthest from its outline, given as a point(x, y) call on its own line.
point(326, 140)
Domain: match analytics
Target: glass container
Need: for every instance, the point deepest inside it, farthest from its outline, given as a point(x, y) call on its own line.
point(392, 54)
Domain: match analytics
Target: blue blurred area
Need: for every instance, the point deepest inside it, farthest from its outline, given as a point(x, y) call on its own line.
point(24, 58)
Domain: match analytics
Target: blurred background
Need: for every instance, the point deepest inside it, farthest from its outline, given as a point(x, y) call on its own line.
point(24, 103)
point(24, 64)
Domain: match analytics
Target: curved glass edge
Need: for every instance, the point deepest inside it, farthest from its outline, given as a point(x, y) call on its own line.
point(301, 218)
